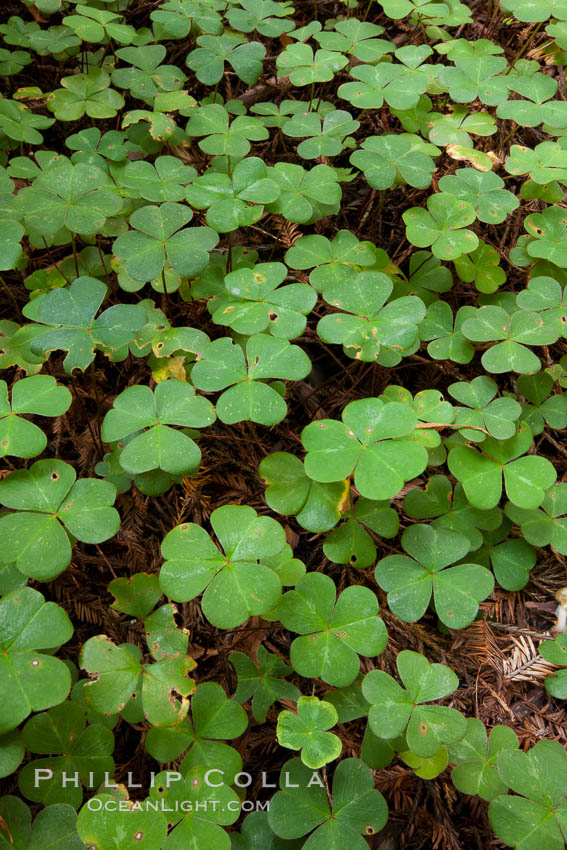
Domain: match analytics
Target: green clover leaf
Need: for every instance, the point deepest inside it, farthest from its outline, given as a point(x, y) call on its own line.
point(263, 683)
point(441, 226)
point(482, 190)
point(236, 584)
point(40, 394)
point(334, 632)
point(69, 314)
point(395, 710)
point(48, 505)
point(317, 507)
point(32, 680)
point(475, 759)
point(160, 240)
point(160, 446)
point(302, 806)
point(374, 441)
point(214, 718)
point(53, 825)
point(249, 396)
point(374, 331)
point(393, 160)
point(411, 582)
point(307, 731)
point(233, 201)
point(539, 811)
point(525, 478)
point(73, 749)
point(255, 303)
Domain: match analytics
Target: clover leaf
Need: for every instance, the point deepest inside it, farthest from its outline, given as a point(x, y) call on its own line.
point(32, 680)
point(126, 824)
point(73, 749)
point(334, 262)
point(223, 136)
point(395, 710)
point(164, 180)
point(235, 584)
point(175, 18)
point(245, 58)
point(545, 296)
point(214, 718)
point(538, 813)
point(375, 332)
point(441, 226)
point(159, 240)
point(476, 758)
point(354, 809)
point(374, 441)
point(549, 232)
point(98, 25)
point(482, 267)
point(78, 197)
point(323, 136)
point(393, 160)
point(451, 510)
point(317, 507)
point(135, 595)
point(305, 196)
point(256, 832)
point(223, 364)
point(159, 447)
point(496, 415)
point(82, 94)
point(410, 582)
point(482, 190)
point(205, 809)
point(541, 409)
point(334, 632)
point(305, 67)
point(69, 314)
point(49, 504)
point(233, 201)
point(53, 825)
point(445, 332)
point(147, 77)
point(544, 163)
point(356, 38)
point(306, 730)
point(264, 683)
point(546, 525)
point(525, 478)
point(118, 676)
point(476, 77)
point(18, 122)
point(263, 16)
point(255, 304)
point(40, 394)
point(515, 331)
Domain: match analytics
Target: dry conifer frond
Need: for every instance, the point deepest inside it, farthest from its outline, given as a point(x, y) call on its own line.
point(524, 664)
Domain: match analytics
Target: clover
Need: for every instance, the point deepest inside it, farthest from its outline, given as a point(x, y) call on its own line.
point(34, 628)
point(194, 565)
point(334, 631)
point(159, 446)
point(374, 441)
point(306, 730)
point(412, 581)
point(249, 397)
point(396, 710)
point(159, 239)
point(39, 394)
point(49, 509)
point(199, 737)
point(441, 226)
